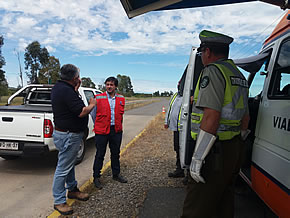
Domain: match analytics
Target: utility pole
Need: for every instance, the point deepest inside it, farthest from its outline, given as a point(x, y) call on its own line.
point(20, 68)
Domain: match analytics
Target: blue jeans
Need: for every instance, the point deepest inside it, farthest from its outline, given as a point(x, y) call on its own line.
point(68, 145)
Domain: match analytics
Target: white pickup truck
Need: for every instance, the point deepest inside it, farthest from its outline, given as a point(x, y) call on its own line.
point(26, 129)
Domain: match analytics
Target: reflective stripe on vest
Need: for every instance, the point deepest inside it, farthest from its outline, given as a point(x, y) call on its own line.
point(178, 123)
point(234, 105)
point(119, 96)
point(101, 97)
point(170, 105)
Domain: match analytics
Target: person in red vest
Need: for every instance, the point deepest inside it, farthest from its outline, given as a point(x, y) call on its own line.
point(108, 120)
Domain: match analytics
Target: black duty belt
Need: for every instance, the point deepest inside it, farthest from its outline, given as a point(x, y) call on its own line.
point(63, 130)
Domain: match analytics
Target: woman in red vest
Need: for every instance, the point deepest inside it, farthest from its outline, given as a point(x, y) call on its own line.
point(108, 119)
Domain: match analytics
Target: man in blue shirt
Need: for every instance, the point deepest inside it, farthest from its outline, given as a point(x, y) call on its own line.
point(70, 119)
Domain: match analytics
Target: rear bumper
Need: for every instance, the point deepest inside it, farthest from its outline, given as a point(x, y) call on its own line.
point(27, 149)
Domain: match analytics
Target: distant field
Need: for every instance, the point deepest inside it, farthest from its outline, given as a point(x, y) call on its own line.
point(131, 102)
point(16, 101)
point(136, 98)
point(139, 102)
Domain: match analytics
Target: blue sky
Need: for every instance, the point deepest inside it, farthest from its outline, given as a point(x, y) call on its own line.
point(153, 49)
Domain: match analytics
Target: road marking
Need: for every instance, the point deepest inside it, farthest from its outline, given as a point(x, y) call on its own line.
point(55, 213)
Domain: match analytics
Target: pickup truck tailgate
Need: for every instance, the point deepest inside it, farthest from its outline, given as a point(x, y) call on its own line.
point(21, 126)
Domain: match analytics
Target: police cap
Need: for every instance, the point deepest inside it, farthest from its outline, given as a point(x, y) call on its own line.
point(209, 39)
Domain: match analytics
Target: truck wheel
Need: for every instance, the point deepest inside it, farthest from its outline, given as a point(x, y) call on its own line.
point(8, 157)
point(81, 153)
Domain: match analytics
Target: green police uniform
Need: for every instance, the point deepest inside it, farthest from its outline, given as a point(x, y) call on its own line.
point(211, 81)
point(215, 197)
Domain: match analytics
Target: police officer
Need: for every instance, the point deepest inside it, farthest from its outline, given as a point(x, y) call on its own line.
point(219, 123)
point(171, 120)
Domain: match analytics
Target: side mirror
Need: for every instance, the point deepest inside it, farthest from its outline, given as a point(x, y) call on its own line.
point(262, 73)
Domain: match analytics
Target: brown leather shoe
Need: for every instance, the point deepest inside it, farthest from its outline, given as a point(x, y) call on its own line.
point(63, 209)
point(77, 194)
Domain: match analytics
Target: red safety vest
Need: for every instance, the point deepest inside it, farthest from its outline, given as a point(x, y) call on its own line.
point(103, 115)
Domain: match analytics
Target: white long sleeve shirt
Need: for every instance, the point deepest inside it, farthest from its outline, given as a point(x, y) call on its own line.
point(172, 113)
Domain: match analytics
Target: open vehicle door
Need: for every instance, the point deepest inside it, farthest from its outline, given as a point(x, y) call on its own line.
point(184, 125)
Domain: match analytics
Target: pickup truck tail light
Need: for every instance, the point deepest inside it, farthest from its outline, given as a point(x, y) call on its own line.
point(47, 128)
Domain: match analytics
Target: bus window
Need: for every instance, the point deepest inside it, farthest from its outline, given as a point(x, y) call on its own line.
point(280, 81)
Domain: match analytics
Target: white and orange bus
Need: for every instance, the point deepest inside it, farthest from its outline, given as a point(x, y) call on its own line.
point(267, 165)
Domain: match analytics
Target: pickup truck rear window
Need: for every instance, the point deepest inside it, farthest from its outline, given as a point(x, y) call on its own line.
point(39, 97)
point(89, 94)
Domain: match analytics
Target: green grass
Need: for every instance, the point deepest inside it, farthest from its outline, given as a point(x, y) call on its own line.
point(134, 98)
point(19, 100)
point(16, 101)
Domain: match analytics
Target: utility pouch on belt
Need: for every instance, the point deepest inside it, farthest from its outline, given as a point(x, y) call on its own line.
point(217, 153)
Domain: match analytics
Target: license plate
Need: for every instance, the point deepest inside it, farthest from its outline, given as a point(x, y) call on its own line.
point(9, 145)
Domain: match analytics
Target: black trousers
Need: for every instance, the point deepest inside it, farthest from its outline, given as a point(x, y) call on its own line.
point(176, 149)
point(114, 140)
point(215, 197)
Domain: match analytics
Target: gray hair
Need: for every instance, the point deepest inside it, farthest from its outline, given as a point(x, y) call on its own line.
point(68, 72)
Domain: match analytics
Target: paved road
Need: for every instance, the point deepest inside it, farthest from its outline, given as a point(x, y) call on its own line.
point(25, 183)
point(165, 202)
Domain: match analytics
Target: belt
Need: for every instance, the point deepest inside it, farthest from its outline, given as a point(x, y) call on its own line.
point(62, 130)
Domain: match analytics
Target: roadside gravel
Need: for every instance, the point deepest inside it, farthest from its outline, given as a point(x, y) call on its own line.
point(145, 164)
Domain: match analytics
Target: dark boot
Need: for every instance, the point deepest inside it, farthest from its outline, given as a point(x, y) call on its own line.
point(178, 173)
point(185, 180)
point(97, 183)
point(119, 178)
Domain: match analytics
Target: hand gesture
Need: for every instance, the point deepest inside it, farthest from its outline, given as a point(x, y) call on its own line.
point(78, 84)
point(191, 99)
point(93, 101)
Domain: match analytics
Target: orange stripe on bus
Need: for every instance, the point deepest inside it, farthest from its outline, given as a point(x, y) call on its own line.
point(281, 28)
point(277, 199)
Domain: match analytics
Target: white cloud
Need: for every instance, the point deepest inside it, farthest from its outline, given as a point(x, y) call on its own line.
point(50, 49)
point(90, 26)
point(22, 44)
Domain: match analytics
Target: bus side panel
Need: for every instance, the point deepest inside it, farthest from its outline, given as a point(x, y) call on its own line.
point(273, 195)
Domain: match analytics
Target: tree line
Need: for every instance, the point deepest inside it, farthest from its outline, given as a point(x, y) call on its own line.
point(43, 68)
point(162, 94)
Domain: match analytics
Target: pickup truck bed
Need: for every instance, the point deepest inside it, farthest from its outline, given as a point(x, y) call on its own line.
point(27, 129)
point(26, 108)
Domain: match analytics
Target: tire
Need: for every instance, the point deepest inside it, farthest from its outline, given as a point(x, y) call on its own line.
point(9, 157)
point(81, 153)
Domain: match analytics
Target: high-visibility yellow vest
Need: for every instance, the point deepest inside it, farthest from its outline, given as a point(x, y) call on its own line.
point(234, 105)
point(171, 103)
